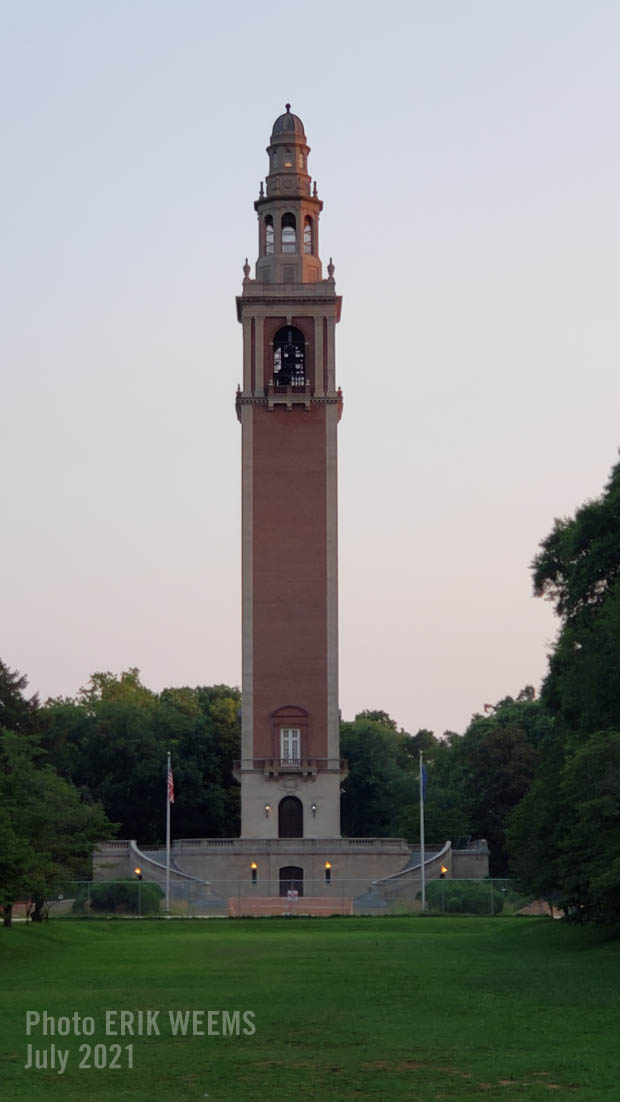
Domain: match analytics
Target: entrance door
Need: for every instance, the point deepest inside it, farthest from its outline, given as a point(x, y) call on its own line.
point(290, 818)
point(292, 880)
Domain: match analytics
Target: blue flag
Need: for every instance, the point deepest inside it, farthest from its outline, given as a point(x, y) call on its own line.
point(423, 782)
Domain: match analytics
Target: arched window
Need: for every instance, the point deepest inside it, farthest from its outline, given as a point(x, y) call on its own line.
point(289, 233)
point(288, 158)
point(289, 355)
point(268, 235)
point(308, 235)
point(302, 161)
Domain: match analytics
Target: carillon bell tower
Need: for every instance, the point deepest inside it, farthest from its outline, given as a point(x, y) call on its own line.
point(289, 408)
point(290, 770)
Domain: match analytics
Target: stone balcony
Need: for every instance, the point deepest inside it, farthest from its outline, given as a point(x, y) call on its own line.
point(273, 768)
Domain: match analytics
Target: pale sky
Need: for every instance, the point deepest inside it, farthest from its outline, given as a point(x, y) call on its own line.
point(467, 154)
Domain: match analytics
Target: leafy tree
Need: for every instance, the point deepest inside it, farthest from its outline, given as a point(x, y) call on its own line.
point(445, 813)
point(108, 688)
point(207, 798)
point(474, 780)
point(563, 836)
point(582, 688)
point(501, 770)
point(578, 570)
point(424, 741)
point(535, 826)
point(493, 764)
point(579, 562)
point(113, 740)
point(377, 716)
point(64, 728)
point(379, 782)
point(589, 858)
point(17, 865)
point(52, 830)
point(16, 712)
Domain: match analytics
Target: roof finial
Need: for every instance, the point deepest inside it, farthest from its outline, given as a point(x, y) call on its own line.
point(288, 107)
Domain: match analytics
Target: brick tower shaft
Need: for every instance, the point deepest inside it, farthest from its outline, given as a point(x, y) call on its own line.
point(289, 408)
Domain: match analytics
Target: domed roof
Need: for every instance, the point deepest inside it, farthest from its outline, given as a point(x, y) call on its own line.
point(288, 124)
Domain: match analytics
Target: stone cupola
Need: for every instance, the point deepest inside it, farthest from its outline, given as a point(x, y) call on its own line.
point(288, 212)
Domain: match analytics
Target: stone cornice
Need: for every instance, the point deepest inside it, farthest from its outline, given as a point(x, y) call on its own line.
point(274, 294)
point(289, 401)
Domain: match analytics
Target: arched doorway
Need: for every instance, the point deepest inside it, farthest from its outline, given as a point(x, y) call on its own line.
point(292, 879)
point(290, 818)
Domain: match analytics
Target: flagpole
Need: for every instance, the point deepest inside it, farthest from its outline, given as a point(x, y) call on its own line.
point(422, 832)
point(168, 834)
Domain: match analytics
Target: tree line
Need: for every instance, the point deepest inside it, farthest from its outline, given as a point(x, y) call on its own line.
point(538, 777)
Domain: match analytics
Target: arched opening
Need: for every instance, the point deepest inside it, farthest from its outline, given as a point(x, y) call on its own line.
point(308, 235)
point(292, 879)
point(289, 356)
point(290, 818)
point(289, 233)
point(268, 235)
point(288, 158)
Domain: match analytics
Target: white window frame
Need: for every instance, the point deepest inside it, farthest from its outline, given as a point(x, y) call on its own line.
point(290, 745)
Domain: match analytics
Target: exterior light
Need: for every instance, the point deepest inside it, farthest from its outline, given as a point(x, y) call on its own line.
point(254, 872)
point(443, 873)
point(313, 810)
point(267, 810)
point(138, 872)
point(328, 872)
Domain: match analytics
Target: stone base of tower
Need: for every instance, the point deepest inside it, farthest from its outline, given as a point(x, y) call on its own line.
point(354, 863)
point(316, 794)
point(245, 868)
point(226, 876)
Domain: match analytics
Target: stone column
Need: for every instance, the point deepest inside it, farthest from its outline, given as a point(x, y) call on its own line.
point(318, 356)
point(259, 326)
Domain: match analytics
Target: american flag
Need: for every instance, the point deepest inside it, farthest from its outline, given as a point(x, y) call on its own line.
point(170, 785)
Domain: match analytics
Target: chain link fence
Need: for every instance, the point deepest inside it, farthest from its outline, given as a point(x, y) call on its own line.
point(133, 898)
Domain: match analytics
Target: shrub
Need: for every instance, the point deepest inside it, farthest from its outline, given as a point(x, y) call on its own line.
point(118, 897)
point(471, 897)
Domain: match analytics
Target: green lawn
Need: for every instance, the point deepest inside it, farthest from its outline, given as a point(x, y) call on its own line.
point(386, 1009)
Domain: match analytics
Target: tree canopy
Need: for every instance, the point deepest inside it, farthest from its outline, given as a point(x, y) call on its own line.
point(112, 742)
point(47, 832)
point(564, 837)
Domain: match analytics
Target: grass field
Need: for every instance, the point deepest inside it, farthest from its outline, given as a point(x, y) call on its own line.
point(349, 1009)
